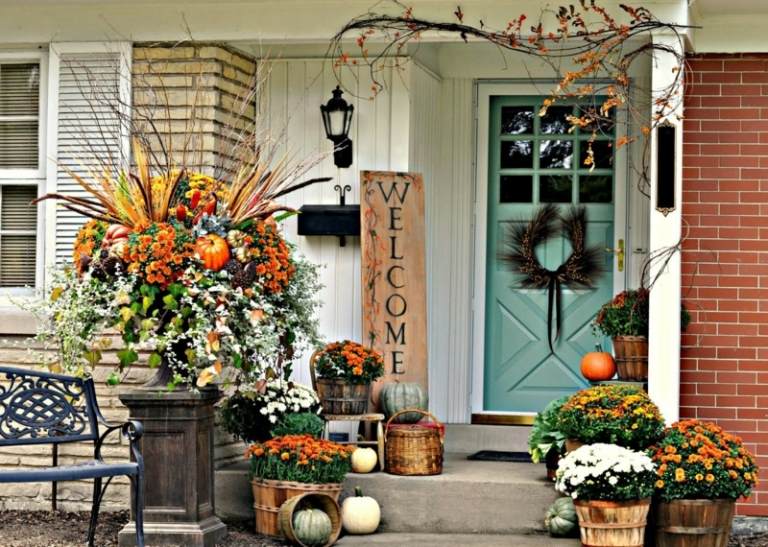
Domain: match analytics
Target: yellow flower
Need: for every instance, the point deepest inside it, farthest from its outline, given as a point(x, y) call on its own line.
point(710, 477)
point(679, 474)
point(285, 456)
point(659, 483)
point(699, 477)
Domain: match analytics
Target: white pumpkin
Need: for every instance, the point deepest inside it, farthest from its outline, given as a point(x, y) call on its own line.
point(364, 460)
point(360, 514)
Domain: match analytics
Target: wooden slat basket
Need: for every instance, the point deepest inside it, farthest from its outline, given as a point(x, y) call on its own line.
point(338, 396)
point(414, 449)
point(269, 496)
point(324, 502)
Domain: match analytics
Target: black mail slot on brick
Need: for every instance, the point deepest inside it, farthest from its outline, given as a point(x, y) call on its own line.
point(329, 220)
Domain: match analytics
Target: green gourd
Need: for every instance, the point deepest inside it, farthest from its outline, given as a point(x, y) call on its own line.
point(398, 396)
point(312, 526)
point(561, 519)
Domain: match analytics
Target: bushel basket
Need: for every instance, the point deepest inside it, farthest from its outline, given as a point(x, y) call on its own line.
point(339, 397)
point(414, 449)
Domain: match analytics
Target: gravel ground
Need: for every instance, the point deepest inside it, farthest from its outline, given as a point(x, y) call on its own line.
point(45, 529)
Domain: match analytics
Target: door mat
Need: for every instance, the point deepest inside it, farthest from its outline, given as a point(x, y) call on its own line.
point(500, 456)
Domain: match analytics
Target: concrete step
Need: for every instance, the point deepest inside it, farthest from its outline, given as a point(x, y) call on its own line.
point(469, 497)
point(468, 438)
point(441, 540)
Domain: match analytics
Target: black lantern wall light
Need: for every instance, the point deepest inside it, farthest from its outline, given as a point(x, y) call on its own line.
point(334, 220)
point(337, 119)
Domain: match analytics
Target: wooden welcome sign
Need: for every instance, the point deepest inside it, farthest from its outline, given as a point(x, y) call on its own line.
point(394, 280)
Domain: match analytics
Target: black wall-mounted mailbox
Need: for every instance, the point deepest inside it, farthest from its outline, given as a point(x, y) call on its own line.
point(329, 220)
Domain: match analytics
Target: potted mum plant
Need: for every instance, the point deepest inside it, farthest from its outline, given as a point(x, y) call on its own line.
point(342, 373)
point(617, 414)
point(625, 320)
point(546, 441)
point(292, 465)
point(702, 471)
point(611, 487)
point(253, 411)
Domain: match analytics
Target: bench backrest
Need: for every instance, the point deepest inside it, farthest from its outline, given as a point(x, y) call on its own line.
point(44, 408)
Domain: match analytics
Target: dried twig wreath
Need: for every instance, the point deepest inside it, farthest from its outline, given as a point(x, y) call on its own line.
point(580, 269)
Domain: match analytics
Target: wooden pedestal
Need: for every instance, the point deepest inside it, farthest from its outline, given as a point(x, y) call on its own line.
point(178, 456)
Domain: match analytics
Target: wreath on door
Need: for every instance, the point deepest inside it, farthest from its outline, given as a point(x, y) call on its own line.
point(580, 269)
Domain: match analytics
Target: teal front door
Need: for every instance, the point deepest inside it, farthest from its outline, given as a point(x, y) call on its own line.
point(534, 160)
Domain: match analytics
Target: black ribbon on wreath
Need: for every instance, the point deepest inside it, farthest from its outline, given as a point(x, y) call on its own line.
point(580, 269)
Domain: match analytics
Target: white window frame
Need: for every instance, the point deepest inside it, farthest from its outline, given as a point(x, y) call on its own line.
point(31, 177)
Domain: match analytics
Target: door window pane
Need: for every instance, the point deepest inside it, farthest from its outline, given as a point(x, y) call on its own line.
point(516, 189)
point(595, 188)
point(516, 120)
point(516, 154)
point(556, 122)
point(555, 188)
point(556, 154)
point(603, 154)
point(603, 124)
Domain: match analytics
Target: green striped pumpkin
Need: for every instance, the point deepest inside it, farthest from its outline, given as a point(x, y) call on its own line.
point(396, 396)
point(312, 526)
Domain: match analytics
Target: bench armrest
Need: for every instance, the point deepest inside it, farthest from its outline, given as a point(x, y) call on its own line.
point(131, 430)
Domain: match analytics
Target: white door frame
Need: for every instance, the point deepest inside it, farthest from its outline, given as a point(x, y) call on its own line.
point(484, 90)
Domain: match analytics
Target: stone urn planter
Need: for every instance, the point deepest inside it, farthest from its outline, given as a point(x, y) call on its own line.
point(177, 446)
point(631, 356)
point(703, 523)
point(612, 523)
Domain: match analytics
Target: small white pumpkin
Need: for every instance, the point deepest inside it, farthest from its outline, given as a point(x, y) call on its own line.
point(364, 460)
point(360, 514)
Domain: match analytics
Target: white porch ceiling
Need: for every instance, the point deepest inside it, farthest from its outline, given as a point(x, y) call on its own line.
point(730, 7)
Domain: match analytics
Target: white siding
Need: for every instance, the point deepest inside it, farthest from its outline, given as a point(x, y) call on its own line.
point(379, 133)
point(88, 127)
point(451, 207)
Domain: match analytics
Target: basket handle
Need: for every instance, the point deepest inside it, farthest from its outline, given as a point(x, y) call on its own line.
point(312, 374)
point(422, 412)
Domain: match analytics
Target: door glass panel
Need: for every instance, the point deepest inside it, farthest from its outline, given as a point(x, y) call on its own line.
point(556, 154)
point(516, 120)
point(595, 188)
point(603, 154)
point(556, 122)
point(516, 154)
point(555, 188)
point(604, 124)
point(516, 189)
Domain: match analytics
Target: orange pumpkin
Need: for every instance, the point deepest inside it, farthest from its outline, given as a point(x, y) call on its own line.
point(213, 250)
point(598, 366)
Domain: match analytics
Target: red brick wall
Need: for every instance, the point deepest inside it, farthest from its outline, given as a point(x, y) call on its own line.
point(724, 374)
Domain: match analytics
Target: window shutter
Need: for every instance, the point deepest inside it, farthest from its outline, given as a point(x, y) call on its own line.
point(18, 239)
point(89, 132)
point(19, 115)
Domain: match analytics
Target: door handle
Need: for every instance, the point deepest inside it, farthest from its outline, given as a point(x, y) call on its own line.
point(619, 252)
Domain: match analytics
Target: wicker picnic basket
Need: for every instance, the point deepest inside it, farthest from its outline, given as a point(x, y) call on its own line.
point(414, 449)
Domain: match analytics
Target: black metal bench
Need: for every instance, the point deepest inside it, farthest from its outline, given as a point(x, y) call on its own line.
point(43, 408)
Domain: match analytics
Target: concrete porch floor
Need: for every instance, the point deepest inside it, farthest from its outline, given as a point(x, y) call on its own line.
point(470, 503)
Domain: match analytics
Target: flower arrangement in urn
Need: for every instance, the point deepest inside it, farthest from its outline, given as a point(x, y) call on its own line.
point(609, 484)
point(617, 414)
point(702, 471)
point(342, 373)
point(189, 267)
